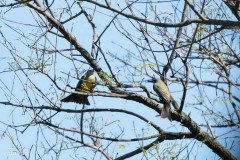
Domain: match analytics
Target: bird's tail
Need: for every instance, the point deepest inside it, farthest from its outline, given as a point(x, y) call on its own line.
point(81, 99)
point(166, 112)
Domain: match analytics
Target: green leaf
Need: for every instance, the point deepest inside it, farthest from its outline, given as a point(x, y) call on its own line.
point(121, 146)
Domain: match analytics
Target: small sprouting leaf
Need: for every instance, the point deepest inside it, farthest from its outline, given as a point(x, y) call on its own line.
point(121, 146)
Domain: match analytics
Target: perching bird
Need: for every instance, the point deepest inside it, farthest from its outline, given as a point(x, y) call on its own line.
point(162, 90)
point(86, 83)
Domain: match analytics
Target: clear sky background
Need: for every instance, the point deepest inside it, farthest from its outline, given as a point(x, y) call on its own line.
point(113, 42)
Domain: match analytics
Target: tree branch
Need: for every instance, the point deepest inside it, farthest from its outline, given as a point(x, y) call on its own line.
point(181, 24)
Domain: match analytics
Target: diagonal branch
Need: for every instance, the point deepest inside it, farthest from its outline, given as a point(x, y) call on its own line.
point(142, 149)
point(72, 39)
point(234, 6)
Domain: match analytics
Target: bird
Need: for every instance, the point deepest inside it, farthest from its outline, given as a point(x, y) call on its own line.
point(86, 83)
point(164, 94)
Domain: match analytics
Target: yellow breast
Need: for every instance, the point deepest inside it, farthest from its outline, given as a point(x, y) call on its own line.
point(87, 85)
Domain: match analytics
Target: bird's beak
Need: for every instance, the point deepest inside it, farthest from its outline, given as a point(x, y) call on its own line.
point(150, 80)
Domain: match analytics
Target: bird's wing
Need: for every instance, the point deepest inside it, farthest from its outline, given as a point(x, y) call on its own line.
point(80, 82)
point(163, 93)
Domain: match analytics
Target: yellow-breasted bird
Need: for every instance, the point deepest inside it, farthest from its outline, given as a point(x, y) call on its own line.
point(86, 83)
point(162, 91)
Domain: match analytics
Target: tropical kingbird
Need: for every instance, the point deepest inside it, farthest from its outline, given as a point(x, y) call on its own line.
point(86, 83)
point(162, 90)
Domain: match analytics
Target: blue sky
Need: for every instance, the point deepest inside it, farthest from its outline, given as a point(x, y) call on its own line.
point(80, 28)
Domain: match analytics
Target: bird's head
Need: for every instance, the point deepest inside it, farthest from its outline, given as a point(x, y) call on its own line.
point(153, 80)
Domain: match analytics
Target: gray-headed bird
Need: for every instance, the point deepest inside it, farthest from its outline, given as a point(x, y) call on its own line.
point(162, 91)
point(86, 83)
